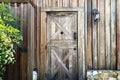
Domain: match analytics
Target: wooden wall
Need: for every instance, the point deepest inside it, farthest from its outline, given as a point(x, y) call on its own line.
point(101, 45)
point(24, 61)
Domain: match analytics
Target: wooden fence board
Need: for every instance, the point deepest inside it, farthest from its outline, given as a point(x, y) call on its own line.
point(107, 30)
point(23, 67)
point(95, 55)
point(118, 34)
point(86, 28)
point(89, 37)
point(30, 42)
point(101, 48)
point(38, 19)
point(17, 1)
point(113, 34)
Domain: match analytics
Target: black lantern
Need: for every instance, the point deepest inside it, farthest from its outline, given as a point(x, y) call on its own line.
point(96, 15)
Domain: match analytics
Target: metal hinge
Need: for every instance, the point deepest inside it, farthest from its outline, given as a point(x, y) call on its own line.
point(45, 47)
point(46, 19)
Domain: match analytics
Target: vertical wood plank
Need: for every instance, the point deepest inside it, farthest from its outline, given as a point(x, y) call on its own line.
point(30, 42)
point(54, 3)
point(95, 60)
point(23, 66)
point(65, 3)
point(38, 22)
point(60, 3)
point(86, 27)
point(46, 3)
point(43, 3)
point(73, 3)
point(89, 36)
point(81, 3)
point(107, 25)
point(23, 55)
point(101, 33)
point(17, 55)
point(81, 44)
point(29, 71)
point(21, 16)
point(36, 56)
point(113, 34)
point(118, 34)
point(43, 44)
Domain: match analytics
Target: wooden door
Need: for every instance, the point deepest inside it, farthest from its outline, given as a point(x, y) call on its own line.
point(62, 60)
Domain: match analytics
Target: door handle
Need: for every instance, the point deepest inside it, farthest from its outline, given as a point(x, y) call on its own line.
point(75, 36)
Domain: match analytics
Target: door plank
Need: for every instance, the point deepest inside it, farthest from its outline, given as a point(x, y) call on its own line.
point(81, 46)
point(73, 3)
point(60, 27)
point(61, 63)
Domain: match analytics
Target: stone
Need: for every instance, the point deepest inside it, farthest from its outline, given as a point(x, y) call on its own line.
point(113, 74)
point(118, 77)
point(95, 73)
point(104, 76)
point(111, 78)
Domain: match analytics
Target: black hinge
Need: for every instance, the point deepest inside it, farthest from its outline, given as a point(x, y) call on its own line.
point(46, 19)
point(45, 47)
point(75, 36)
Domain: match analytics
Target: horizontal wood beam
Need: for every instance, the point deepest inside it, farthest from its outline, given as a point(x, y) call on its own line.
point(62, 9)
point(17, 1)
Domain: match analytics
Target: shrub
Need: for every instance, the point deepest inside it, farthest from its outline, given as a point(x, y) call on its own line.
point(10, 37)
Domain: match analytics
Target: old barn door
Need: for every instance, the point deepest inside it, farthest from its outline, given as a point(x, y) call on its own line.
point(62, 61)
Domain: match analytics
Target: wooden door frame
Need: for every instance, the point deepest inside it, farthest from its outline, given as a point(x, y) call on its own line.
point(81, 40)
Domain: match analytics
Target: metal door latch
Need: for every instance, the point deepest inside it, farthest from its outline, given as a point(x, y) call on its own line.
point(75, 36)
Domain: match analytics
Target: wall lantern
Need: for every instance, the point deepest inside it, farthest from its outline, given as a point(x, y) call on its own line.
point(96, 15)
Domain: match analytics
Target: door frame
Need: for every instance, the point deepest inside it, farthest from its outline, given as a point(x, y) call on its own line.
point(81, 38)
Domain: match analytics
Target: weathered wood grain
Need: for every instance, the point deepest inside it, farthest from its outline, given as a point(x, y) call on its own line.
point(95, 55)
point(54, 3)
point(38, 25)
point(17, 1)
point(30, 42)
point(118, 34)
point(81, 44)
point(43, 44)
point(107, 30)
point(89, 61)
point(59, 3)
point(65, 3)
point(101, 35)
point(73, 3)
point(113, 34)
point(81, 3)
point(23, 67)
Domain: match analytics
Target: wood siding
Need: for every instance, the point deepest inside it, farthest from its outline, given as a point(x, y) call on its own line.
point(98, 44)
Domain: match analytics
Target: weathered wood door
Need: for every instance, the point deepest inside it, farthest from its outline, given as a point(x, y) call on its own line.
point(62, 60)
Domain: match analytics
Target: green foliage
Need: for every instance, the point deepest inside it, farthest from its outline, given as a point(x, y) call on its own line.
point(9, 37)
